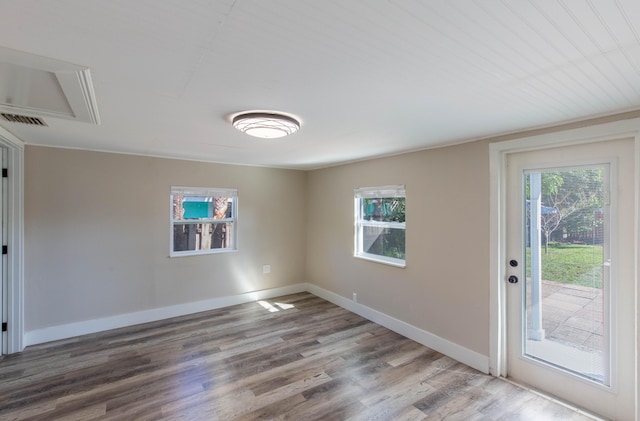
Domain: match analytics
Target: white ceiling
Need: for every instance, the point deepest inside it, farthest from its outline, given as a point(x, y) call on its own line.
point(366, 77)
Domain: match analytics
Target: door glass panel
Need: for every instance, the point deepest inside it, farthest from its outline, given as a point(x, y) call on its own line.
point(566, 264)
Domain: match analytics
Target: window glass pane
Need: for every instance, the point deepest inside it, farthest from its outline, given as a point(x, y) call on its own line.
point(566, 260)
point(201, 207)
point(383, 209)
point(208, 236)
point(382, 241)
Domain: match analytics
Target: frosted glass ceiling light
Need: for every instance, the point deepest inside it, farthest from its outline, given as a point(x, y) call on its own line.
point(266, 125)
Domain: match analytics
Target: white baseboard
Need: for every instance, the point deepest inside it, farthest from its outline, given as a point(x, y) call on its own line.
point(459, 353)
point(70, 330)
point(471, 358)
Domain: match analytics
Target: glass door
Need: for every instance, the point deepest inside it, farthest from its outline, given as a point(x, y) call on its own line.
point(569, 277)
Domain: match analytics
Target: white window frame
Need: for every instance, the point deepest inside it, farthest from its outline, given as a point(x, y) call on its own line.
point(360, 222)
point(203, 192)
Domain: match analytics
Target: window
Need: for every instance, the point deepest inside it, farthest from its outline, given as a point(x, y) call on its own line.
point(203, 220)
point(380, 224)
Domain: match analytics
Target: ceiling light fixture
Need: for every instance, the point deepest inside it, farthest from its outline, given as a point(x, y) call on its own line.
point(266, 125)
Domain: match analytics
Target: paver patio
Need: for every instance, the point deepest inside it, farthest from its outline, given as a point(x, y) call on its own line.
point(573, 315)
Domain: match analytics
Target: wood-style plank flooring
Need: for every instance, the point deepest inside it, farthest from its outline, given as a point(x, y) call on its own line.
point(296, 357)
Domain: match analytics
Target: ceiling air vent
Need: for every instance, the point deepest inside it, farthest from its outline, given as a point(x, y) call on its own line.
point(44, 87)
point(16, 118)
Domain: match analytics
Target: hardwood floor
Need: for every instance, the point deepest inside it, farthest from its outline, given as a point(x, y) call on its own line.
point(296, 357)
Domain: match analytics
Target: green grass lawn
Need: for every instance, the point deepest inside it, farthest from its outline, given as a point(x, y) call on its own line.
point(571, 264)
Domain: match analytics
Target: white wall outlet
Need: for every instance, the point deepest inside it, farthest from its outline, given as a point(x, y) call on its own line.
point(266, 268)
point(355, 297)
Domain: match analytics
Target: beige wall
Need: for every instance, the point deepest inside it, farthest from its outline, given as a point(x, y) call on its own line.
point(97, 237)
point(444, 288)
point(97, 234)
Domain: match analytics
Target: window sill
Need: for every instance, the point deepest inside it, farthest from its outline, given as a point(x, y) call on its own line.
point(200, 253)
point(390, 261)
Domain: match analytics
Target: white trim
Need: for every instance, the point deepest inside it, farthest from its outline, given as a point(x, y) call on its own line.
point(202, 221)
point(75, 82)
point(497, 346)
point(466, 356)
point(498, 152)
point(204, 191)
point(636, 271)
point(15, 225)
point(459, 353)
point(391, 261)
point(397, 190)
point(380, 224)
point(70, 330)
point(189, 253)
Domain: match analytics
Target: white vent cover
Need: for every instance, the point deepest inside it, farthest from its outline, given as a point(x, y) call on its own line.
point(38, 86)
point(17, 118)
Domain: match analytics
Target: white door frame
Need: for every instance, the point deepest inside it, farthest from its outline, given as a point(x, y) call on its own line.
point(15, 225)
point(623, 129)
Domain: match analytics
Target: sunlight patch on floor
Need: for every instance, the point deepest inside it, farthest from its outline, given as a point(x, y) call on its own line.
point(273, 308)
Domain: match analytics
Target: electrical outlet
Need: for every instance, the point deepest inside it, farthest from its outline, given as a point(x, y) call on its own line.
point(355, 297)
point(266, 268)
